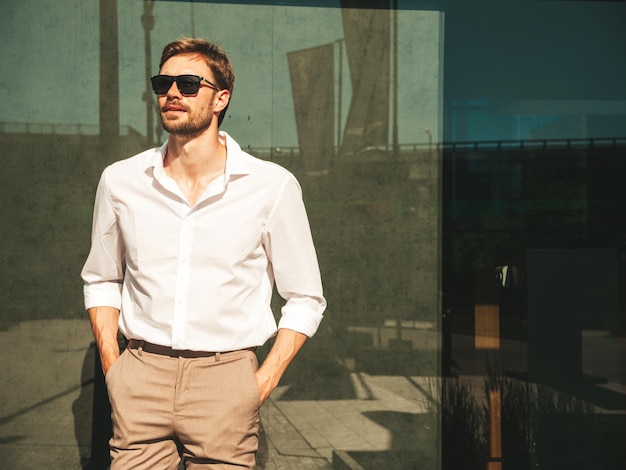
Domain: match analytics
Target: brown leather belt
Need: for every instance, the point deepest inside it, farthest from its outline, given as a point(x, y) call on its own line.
point(167, 351)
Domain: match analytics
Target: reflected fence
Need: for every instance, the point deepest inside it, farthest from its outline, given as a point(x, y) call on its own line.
point(56, 129)
point(386, 151)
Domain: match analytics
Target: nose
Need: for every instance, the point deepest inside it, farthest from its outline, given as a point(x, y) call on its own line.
point(173, 90)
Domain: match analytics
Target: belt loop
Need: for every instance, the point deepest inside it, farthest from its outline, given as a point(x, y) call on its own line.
point(140, 348)
point(217, 357)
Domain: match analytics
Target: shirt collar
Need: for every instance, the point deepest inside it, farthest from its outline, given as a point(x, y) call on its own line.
point(236, 164)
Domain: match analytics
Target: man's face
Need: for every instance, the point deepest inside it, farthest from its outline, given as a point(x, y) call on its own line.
point(188, 115)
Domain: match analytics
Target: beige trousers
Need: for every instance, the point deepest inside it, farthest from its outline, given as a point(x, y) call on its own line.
point(204, 410)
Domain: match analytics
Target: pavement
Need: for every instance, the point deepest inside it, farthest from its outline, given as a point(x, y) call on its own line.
point(47, 371)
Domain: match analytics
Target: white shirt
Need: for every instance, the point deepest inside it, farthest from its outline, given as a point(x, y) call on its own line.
point(201, 277)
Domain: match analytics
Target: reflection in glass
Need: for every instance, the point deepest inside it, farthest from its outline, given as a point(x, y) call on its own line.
point(509, 210)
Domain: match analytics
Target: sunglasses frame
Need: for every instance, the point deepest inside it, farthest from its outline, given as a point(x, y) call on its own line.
point(195, 79)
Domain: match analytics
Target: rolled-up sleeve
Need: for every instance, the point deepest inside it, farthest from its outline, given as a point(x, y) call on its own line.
point(290, 247)
point(103, 271)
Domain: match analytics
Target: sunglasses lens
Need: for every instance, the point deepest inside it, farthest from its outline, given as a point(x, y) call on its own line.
point(187, 84)
point(162, 83)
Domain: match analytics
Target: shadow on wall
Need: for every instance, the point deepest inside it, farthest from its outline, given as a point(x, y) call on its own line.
point(88, 410)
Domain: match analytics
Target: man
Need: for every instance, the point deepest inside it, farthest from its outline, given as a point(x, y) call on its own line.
point(188, 240)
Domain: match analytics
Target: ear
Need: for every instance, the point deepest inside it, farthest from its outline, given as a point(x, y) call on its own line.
point(222, 98)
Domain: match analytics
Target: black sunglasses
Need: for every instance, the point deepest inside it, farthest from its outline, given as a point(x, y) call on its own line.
point(187, 84)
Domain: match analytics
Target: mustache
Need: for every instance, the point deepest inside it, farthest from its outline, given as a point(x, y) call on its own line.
point(173, 104)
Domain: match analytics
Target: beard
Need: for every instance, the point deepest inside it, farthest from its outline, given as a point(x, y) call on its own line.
point(189, 125)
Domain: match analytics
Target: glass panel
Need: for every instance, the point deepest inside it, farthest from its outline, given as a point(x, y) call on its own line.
point(533, 235)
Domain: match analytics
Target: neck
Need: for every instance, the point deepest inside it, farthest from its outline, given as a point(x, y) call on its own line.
point(196, 157)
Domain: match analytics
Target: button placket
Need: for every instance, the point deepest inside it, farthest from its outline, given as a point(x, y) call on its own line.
point(182, 281)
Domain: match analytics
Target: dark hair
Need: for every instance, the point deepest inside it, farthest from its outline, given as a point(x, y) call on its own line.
point(215, 57)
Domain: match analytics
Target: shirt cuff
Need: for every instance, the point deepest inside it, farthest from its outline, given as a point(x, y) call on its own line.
point(303, 316)
point(107, 294)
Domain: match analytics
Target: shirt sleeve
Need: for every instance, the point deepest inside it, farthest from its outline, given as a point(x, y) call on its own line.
point(103, 271)
point(289, 245)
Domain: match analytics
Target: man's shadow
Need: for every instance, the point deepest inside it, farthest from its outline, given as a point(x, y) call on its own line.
point(92, 415)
